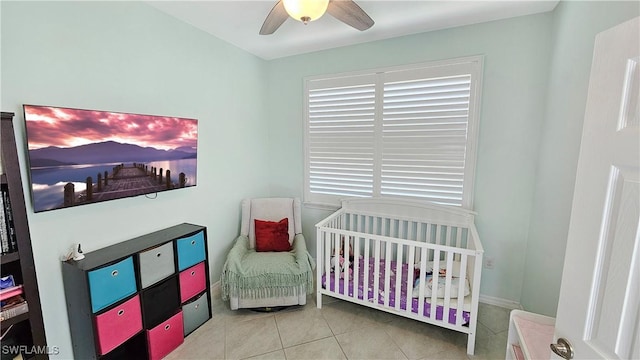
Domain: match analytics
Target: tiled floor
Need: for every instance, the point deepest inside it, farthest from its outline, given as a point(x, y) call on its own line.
point(340, 330)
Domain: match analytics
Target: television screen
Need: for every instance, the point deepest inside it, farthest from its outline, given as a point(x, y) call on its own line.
point(79, 157)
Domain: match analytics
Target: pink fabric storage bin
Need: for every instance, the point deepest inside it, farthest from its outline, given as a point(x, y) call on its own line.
point(192, 281)
point(166, 337)
point(117, 325)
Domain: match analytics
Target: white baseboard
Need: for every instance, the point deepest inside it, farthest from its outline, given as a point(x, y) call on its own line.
point(504, 303)
point(508, 304)
point(215, 289)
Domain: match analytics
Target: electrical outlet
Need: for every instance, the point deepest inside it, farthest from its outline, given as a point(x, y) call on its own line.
point(489, 262)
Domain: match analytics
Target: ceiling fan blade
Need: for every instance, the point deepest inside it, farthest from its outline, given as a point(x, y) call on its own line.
point(350, 13)
point(276, 17)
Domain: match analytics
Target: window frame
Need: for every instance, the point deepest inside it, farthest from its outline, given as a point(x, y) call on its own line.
point(475, 66)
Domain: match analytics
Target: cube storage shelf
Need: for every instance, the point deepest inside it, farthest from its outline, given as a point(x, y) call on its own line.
point(138, 299)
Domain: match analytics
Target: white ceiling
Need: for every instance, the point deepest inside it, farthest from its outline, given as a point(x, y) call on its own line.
point(238, 21)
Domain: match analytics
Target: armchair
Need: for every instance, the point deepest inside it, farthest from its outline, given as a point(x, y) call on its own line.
point(256, 279)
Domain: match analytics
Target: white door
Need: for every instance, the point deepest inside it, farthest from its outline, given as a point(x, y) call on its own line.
point(598, 311)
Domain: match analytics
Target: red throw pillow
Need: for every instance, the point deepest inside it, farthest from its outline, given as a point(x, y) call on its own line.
point(272, 236)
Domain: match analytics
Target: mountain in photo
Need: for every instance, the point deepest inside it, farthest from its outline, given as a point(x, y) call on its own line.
point(102, 153)
point(187, 149)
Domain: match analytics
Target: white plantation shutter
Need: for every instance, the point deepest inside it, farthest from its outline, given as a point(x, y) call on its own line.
point(424, 136)
point(341, 137)
point(408, 132)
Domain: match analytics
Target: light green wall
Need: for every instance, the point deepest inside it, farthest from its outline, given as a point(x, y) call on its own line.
point(516, 58)
point(575, 26)
point(130, 57)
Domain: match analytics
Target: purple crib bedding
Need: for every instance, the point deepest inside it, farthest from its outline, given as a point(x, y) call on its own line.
point(392, 299)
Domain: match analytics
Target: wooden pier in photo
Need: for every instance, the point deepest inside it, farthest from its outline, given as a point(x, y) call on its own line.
point(124, 181)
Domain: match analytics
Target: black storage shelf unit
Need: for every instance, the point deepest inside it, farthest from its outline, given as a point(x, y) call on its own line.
point(140, 278)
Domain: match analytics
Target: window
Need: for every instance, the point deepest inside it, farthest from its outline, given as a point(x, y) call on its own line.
point(404, 132)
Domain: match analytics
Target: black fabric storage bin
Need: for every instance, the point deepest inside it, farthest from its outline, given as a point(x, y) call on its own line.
point(160, 302)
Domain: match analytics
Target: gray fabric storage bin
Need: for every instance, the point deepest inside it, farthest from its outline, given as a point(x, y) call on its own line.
point(156, 264)
point(195, 313)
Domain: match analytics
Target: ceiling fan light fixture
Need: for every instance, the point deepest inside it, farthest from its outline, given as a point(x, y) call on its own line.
point(305, 10)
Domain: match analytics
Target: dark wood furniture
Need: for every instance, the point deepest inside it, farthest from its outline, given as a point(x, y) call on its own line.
point(26, 331)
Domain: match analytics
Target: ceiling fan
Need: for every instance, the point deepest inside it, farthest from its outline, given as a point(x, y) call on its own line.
point(346, 11)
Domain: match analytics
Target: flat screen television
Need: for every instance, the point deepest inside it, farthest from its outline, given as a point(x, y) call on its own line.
point(79, 157)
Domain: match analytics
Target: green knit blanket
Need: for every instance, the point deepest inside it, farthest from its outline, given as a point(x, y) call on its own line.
point(251, 274)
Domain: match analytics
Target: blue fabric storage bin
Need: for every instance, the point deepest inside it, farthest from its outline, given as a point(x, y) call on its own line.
point(190, 250)
point(112, 283)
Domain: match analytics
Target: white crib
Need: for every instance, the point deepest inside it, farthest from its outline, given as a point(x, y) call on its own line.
point(395, 244)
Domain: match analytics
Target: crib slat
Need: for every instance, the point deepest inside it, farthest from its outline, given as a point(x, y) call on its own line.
point(320, 267)
point(327, 259)
point(433, 234)
point(332, 253)
point(398, 276)
point(387, 274)
point(393, 230)
point(427, 232)
point(465, 239)
point(407, 228)
point(327, 250)
point(423, 229)
point(447, 286)
point(336, 272)
point(423, 281)
point(455, 241)
point(376, 271)
point(410, 232)
point(449, 234)
point(367, 257)
point(374, 223)
point(384, 233)
point(353, 223)
point(461, 286)
point(410, 261)
point(344, 243)
point(434, 283)
point(356, 266)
